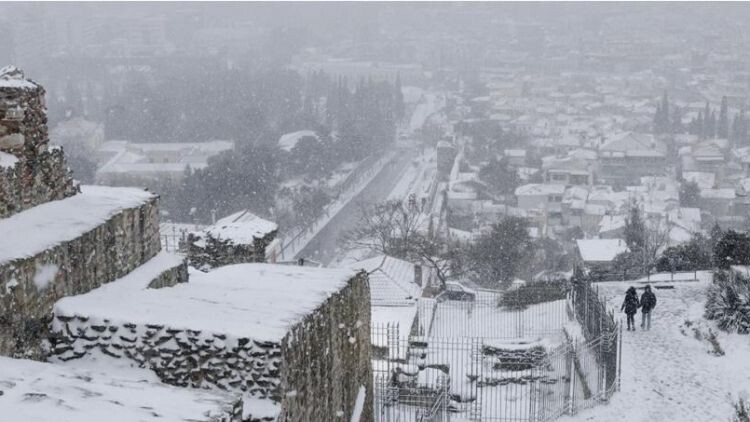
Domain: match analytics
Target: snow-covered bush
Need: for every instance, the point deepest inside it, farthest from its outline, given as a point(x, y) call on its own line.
point(532, 293)
point(728, 303)
point(741, 412)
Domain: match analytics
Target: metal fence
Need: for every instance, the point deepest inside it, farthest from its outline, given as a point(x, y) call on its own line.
point(491, 315)
point(175, 243)
point(484, 362)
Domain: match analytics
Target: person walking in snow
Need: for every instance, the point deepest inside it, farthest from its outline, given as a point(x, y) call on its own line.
point(648, 303)
point(630, 306)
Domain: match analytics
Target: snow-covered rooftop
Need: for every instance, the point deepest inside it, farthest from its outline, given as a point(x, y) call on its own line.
point(35, 230)
point(259, 301)
point(288, 141)
point(540, 189)
point(600, 250)
point(242, 228)
point(391, 279)
point(153, 158)
point(41, 392)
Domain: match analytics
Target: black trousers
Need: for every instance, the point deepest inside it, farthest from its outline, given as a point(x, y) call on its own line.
point(631, 320)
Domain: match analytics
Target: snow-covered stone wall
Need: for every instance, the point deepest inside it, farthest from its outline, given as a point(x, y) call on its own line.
point(312, 374)
point(30, 172)
point(206, 251)
point(31, 283)
point(23, 115)
point(327, 359)
point(28, 183)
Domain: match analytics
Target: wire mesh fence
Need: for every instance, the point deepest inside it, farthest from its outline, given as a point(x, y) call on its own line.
point(483, 360)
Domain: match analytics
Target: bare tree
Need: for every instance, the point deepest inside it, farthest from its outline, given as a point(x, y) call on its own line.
point(394, 229)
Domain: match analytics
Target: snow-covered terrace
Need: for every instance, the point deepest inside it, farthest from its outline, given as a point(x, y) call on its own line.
point(258, 301)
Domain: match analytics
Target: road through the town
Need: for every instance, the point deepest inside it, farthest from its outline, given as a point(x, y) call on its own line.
point(324, 247)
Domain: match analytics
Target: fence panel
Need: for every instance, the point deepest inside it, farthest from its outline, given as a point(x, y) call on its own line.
point(485, 360)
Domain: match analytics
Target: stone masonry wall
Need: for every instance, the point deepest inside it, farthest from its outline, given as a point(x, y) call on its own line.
point(206, 252)
point(40, 175)
point(327, 359)
point(180, 357)
point(36, 181)
point(110, 251)
point(23, 115)
point(315, 372)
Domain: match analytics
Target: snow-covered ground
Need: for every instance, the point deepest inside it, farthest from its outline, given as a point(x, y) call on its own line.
point(41, 392)
point(467, 319)
point(668, 374)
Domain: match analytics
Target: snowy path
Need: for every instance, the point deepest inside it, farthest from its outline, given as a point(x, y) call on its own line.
point(668, 374)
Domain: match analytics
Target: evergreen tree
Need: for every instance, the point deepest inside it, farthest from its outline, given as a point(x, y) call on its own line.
point(635, 230)
point(689, 194)
point(676, 120)
point(738, 133)
point(705, 121)
point(733, 248)
point(398, 99)
point(711, 125)
point(722, 130)
point(501, 254)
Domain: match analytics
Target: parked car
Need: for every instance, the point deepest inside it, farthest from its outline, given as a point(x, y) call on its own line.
point(457, 291)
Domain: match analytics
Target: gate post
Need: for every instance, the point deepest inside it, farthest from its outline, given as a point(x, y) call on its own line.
point(572, 371)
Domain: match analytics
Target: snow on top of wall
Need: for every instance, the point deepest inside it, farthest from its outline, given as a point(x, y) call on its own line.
point(7, 160)
point(12, 77)
point(40, 392)
point(60, 221)
point(258, 301)
point(242, 228)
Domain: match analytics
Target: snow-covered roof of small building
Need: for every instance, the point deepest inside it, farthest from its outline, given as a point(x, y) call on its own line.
point(241, 228)
point(391, 279)
point(600, 250)
point(704, 180)
point(288, 141)
point(37, 229)
point(161, 157)
point(258, 301)
point(633, 144)
point(722, 193)
point(540, 189)
point(33, 391)
point(611, 223)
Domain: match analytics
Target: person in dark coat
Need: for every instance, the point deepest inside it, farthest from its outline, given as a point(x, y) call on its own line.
point(648, 303)
point(630, 306)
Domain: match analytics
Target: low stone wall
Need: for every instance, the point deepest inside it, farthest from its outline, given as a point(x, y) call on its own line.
point(206, 252)
point(30, 286)
point(36, 181)
point(314, 373)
